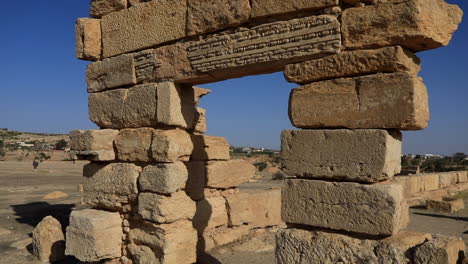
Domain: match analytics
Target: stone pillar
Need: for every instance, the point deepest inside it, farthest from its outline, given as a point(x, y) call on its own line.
point(342, 206)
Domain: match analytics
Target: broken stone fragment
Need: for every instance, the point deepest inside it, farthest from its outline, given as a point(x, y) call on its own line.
point(48, 240)
point(445, 205)
point(95, 145)
point(262, 8)
point(100, 8)
point(441, 249)
point(200, 126)
point(88, 39)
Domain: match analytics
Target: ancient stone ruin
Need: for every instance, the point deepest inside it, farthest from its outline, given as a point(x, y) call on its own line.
point(162, 192)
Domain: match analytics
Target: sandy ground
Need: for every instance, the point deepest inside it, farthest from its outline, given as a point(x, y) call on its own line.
point(22, 206)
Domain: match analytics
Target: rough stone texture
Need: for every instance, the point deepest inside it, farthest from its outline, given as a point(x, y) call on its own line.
point(223, 236)
point(257, 208)
point(262, 8)
point(377, 209)
point(96, 145)
point(196, 179)
point(134, 144)
point(419, 183)
point(209, 148)
point(200, 126)
point(352, 63)
point(448, 178)
point(440, 250)
point(171, 145)
point(199, 93)
point(430, 182)
point(110, 185)
point(173, 243)
point(212, 15)
point(142, 254)
point(415, 24)
point(462, 176)
point(88, 39)
point(110, 73)
point(165, 209)
point(226, 174)
point(100, 8)
point(143, 26)
point(398, 249)
point(446, 205)
point(362, 102)
point(365, 155)
point(146, 105)
point(211, 213)
point(48, 240)
point(165, 178)
point(94, 235)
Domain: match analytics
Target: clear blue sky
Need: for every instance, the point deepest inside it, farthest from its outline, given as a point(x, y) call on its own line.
point(43, 87)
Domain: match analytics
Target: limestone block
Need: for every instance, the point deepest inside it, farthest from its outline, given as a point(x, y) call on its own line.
point(165, 178)
point(165, 209)
point(111, 73)
point(441, 249)
point(171, 145)
point(96, 145)
point(88, 39)
point(175, 106)
point(100, 8)
point(142, 254)
point(415, 24)
point(262, 8)
point(199, 93)
point(94, 235)
point(223, 236)
point(345, 206)
point(352, 63)
point(111, 185)
point(211, 213)
point(226, 174)
point(213, 15)
point(200, 126)
point(209, 148)
point(362, 102)
point(48, 240)
point(173, 243)
point(430, 182)
point(447, 179)
point(398, 248)
point(106, 108)
point(365, 155)
point(258, 208)
point(446, 205)
point(196, 179)
point(142, 26)
point(134, 144)
point(462, 176)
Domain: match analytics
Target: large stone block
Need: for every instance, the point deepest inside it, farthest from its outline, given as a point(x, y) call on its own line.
point(447, 179)
point(222, 236)
point(365, 155)
point(257, 208)
point(442, 249)
point(446, 205)
point(109, 73)
point(345, 206)
point(362, 102)
point(96, 145)
point(262, 8)
point(48, 240)
point(173, 243)
point(171, 145)
point(462, 176)
point(352, 63)
point(88, 39)
point(94, 235)
point(226, 174)
point(209, 148)
point(213, 15)
point(196, 179)
point(142, 26)
point(399, 248)
point(165, 209)
point(134, 145)
point(100, 8)
point(110, 185)
point(165, 178)
point(414, 24)
point(211, 213)
point(146, 105)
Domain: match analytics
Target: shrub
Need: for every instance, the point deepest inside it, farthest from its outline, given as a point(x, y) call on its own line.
point(261, 165)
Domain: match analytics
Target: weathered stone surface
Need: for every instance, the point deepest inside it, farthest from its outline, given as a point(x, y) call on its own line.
point(94, 235)
point(415, 24)
point(441, 249)
point(258, 208)
point(262, 8)
point(134, 144)
point(165, 209)
point(88, 39)
point(365, 155)
point(163, 178)
point(352, 63)
point(175, 106)
point(398, 248)
point(223, 236)
point(430, 182)
point(362, 102)
point(377, 209)
point(446, 205)
point(211, 213)
point(196, 179)
point(171, 145)
point(212, 15)
point(101, 8)
point(171, 243)
point(110, 185)
point(199, 93)
point(462, 176)
point(447, 179)
point(48, 240)
point(200, 126)
point(96, 145)
point(142, 254)
point(110, 73)
point(143, 26)
point(209, 148)
point(226, 174)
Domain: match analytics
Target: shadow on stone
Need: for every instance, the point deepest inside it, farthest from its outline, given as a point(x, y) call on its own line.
point(33, 213)
point(443, 216)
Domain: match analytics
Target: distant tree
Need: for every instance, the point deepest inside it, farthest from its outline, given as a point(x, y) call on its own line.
point(261, 165)
point(2, 149)
point(61, 144)
point(459, 157)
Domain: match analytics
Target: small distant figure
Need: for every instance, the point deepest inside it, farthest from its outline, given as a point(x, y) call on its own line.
point(35, 164)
